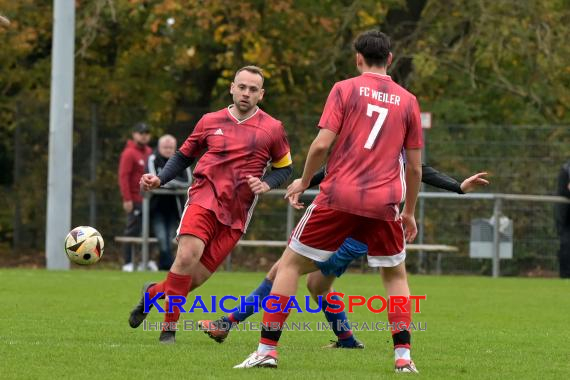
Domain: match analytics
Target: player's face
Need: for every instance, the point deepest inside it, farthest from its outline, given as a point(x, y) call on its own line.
point(246, 90)
point(166, 148)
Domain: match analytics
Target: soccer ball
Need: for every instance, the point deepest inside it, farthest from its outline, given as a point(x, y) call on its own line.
point(84, 245)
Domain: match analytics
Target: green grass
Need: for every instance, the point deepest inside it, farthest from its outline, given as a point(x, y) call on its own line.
point(74, 325)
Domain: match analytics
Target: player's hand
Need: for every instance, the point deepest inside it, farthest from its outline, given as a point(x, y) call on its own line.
point(473, 182)
point(294, 201)
point(257, 186)
point(297, 187)
point(149, 182)
point(128, 206)
point(410, 229)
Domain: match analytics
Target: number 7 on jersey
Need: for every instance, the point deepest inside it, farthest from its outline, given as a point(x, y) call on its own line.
point(382, 113)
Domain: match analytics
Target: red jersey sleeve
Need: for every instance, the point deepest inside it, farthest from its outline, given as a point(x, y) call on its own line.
point(125, 168)
point(280, 149)
point(414, 138)
point(196, 142)
point(333, 112)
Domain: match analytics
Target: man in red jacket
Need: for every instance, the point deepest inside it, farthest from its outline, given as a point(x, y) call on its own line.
point(131, 168)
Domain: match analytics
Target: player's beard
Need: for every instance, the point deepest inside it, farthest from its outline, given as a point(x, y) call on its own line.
point(244, 106)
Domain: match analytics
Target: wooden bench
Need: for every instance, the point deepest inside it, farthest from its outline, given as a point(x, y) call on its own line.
point(429, 248)
point(433, 248)
point(135, 240)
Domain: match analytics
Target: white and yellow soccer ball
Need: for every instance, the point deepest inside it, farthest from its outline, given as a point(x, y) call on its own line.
point(84, 245)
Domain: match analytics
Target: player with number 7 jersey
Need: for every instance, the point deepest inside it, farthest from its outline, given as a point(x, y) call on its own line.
point(373, 117)
point(370, 120)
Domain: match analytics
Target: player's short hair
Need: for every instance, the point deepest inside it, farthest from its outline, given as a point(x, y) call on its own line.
point(254, 70)
point(374, 47)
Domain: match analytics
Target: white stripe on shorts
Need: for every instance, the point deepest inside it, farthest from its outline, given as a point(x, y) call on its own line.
point(181, 220)
point(301, 226)
point(183, 212)
point(389, 261)
point(309, 252)
point(386, 261)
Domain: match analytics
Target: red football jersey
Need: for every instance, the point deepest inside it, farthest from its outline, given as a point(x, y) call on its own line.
point(374, 119)
point(234, 150)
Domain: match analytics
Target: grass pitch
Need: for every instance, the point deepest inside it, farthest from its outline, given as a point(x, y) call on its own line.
point(74, 325)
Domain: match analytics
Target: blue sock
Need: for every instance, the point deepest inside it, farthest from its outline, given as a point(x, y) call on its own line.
point(261, 292)
point(339, 324)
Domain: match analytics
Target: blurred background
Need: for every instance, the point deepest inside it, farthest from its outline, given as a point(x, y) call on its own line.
point(495, 76)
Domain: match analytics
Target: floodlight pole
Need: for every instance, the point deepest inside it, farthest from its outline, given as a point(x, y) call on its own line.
point(58, 221)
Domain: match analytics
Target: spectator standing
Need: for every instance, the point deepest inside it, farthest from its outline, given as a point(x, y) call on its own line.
point(131, 167)
point(166, 209)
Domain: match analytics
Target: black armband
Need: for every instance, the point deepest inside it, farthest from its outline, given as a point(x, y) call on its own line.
point(277, 176)
point(174, 166)
point(318, 177)
point(441, 181)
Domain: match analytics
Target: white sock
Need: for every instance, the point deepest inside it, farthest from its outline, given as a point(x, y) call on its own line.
point(265, 348)
point(402, 353)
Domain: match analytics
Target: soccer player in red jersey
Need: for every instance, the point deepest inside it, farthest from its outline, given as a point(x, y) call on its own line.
point(319, 283)
point(239, 141)
point(370, 120)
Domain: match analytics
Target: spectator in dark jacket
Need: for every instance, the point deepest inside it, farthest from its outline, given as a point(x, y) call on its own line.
point(131, 168)
point(563, 220)
point(166, 209)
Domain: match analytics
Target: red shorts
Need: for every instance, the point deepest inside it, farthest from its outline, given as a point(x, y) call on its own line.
point(219, 238)
point(322, 230)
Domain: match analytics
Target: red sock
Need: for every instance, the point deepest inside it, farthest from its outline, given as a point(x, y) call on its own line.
point(175, 285)
point(269, 333)
point(400, 325)
point(157, 288)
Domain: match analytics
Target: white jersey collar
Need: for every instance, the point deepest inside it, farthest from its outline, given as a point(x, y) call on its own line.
point(244, 120)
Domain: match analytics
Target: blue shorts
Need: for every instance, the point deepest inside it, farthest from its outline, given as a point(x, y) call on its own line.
point(337, 264)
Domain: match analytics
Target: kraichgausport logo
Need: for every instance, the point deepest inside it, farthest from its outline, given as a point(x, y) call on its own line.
point(375, 304)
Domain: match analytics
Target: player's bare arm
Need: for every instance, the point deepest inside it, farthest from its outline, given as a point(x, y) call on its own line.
point(315, 159)
point(315, 181)
point(413, 180)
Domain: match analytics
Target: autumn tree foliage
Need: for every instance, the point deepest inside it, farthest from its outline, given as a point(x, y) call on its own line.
point(475, 62)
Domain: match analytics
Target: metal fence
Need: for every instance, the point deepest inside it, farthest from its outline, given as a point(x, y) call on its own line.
point(273, 226)
point(521, 159)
